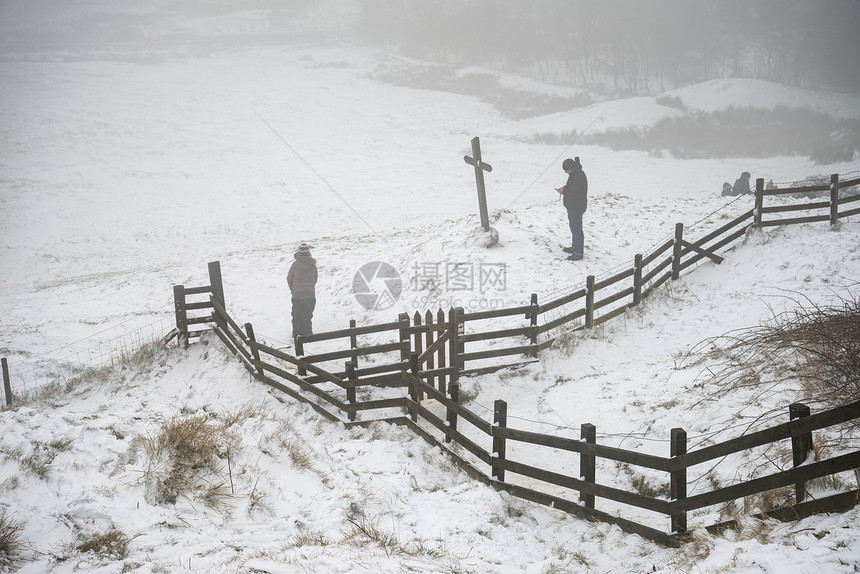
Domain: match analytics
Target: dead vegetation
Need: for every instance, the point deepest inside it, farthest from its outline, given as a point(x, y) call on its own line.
point(809, 355)
point(10, 538)
point(814, 349)
point(111, 544)
point(69, 378)
point(187, 457)
point(361, 536)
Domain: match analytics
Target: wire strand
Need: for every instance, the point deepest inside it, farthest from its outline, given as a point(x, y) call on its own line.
point(310, 167)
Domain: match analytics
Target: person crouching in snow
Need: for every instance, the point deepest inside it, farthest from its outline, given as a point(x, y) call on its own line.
point(302, 279)
point(742, 184)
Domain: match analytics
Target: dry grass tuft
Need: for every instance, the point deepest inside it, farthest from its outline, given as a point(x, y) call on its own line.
point(646, 487)
point(186, 458)
point(767, 501)
point(40, 460)
point(363, 533)
point(301, 457)
point(69, 378)
point(302, 539)
point(697, 547)
point(244, 413)
point(111, 544)
point(10, 538)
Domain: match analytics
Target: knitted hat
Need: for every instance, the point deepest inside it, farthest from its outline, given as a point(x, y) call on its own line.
point(304, 249)
point(567, 164)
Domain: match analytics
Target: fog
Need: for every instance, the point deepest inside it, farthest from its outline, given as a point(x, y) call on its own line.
point(620, 47)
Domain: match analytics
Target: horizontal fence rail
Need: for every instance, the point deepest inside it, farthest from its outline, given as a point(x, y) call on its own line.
point(418, 361)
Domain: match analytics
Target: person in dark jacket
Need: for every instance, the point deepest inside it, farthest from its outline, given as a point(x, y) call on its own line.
point(742, 184)
point(302, 280)
point(575, 194)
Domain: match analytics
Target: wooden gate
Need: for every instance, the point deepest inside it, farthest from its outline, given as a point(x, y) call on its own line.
point(436, 348)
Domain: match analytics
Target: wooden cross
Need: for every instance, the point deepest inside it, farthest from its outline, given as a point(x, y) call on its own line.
point(480, 168)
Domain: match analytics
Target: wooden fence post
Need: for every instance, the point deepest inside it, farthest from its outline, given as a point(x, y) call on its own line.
point(676, 252)
point(350, 386)
point(678, 479)
point(220, 322)
point(834, 198)
point(587, 462)
point(405, 350)
point(637, 279)
point(456, 328)
point(300, 352)
point(800, 446)
point(589, 302)
point(533, 319)
point(500, 420)
point(181, 314)
point(414, 365)
point(258, 363)
point(759, 202)
point(414, 393)
point(7, 384)
point(450, 415)
point(417, 341)
point(353, 341)
point(428, 340)
point(215, 282)
point(455, 346)
point(443, 388)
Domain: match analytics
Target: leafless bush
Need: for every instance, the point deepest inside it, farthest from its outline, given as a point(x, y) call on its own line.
point(815, 348)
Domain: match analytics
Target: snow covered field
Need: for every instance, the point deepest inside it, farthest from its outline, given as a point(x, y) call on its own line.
point(120, 177)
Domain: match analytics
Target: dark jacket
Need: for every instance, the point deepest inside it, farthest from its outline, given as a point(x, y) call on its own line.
point(576, 190)
point(302, 276)
point(742, 184)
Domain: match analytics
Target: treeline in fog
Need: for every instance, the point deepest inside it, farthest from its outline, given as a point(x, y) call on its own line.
point(632, 46)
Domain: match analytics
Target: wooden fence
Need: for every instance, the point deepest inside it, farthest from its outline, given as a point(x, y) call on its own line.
point(601, 299)
point(412, 379)
point(190, 323)
point(440, 418)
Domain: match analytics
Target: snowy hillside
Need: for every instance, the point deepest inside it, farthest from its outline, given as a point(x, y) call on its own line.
point(120, 178)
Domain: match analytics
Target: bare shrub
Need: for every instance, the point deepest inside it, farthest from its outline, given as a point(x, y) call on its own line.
point(671, 102)
point(186, 458)
point(817, 348)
